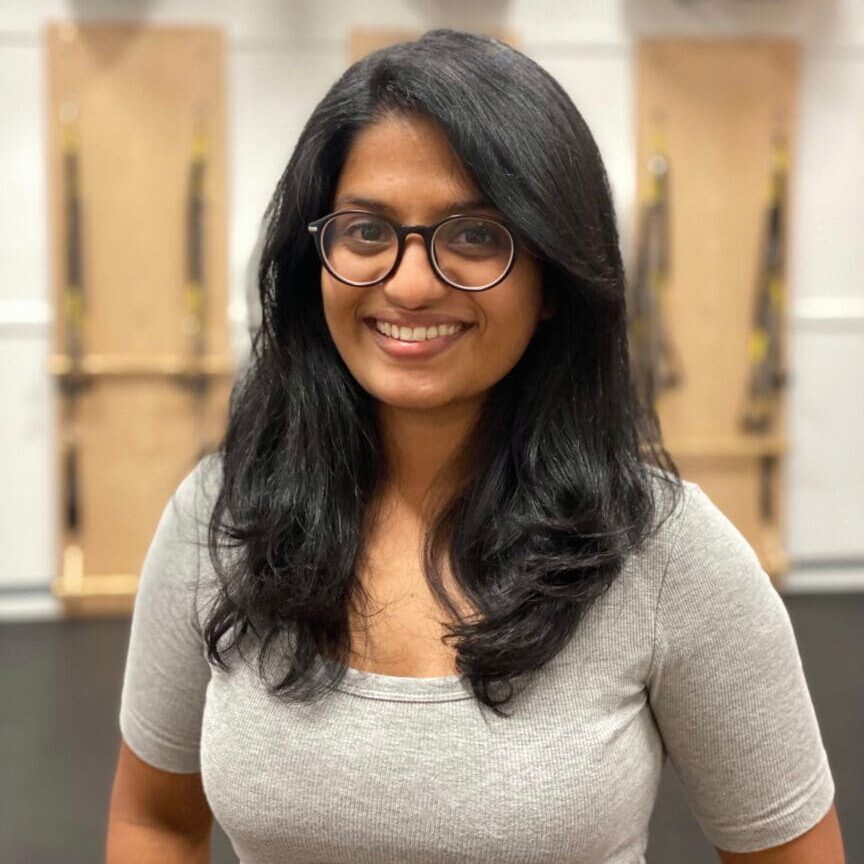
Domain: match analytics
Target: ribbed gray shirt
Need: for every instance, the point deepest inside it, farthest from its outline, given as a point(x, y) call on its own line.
point(690, 654)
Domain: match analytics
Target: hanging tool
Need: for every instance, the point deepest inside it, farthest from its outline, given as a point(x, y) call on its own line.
point(73, 381)
point(767, 375)
point(655, 361)
point(196, 298)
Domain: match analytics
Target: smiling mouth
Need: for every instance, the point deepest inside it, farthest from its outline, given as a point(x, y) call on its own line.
point(416, 334)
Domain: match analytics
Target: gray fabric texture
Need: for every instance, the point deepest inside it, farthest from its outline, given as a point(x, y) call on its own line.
point(690, 654)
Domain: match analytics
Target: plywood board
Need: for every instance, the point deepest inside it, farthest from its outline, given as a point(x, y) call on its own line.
point(721, 104)
point(141, 101)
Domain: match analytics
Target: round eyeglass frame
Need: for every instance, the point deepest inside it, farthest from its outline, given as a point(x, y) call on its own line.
point(427, 232)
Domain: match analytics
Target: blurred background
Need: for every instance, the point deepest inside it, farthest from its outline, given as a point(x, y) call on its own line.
point(141, 142)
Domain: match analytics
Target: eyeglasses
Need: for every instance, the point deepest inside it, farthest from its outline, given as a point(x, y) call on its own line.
point(471, 253)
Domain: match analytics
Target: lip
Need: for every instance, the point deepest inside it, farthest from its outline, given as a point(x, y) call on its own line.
point(411, 350)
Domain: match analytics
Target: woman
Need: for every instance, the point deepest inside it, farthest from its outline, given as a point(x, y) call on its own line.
point(450, 610)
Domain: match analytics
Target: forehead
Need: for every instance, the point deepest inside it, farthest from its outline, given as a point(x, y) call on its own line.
point(401, 161)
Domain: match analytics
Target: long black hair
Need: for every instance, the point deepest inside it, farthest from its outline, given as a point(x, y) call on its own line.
point(561, 472)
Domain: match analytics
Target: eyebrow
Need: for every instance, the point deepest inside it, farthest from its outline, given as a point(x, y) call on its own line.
point(371, 204)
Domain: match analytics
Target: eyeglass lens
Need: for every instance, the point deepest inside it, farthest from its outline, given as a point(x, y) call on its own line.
point(470, 252)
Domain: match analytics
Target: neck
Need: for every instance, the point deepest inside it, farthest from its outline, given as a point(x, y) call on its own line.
point(422, 449)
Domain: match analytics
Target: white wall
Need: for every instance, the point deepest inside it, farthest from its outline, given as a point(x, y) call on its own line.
point(282, 57)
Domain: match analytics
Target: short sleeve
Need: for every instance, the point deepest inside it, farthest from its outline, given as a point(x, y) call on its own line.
point(167, 672)
point(728, 691)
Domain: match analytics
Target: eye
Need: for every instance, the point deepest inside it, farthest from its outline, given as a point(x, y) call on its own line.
point(360, 234)
point(473, 237)
point(368, 232)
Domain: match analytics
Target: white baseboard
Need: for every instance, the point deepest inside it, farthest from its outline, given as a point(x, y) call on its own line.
point(827, 580)
point(29, 606)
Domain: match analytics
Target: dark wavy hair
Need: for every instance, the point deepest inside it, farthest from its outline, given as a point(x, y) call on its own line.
point(560, 474)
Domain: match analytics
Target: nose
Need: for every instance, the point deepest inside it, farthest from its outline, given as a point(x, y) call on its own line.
point(414, 283)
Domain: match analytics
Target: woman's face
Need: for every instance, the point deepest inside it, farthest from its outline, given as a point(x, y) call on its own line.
point(406, 166)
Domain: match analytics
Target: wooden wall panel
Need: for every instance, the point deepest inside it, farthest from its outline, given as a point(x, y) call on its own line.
point(721, 103)
point(140, 96)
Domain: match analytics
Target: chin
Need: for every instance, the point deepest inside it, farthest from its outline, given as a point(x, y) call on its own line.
point(413, 401)
point(414, 397)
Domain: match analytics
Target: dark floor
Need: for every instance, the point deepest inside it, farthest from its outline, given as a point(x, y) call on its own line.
point(59, 735)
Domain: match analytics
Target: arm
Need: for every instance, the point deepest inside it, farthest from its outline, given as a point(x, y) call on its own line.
point(158, 812)
point(822, 844)
point(731, 700)
point(156, 816)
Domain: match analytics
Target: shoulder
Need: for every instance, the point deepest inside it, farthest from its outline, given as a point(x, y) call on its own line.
point(195, 495)
point(691, 529)
point(177, 560)
point(697, 567)
point(713, 591)
point(203, 480)
point(708, 548)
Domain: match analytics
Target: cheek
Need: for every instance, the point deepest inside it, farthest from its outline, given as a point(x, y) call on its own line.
point(339, 318)
point(328, 298)
point(507, 337)
point(520, 337)
point(338, 308)
point(518, 315)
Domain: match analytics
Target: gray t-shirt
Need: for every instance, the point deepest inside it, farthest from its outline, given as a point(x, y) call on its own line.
point(691, 653)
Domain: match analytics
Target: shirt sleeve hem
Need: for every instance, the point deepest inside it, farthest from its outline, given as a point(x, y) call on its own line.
point(157, 751)
point(779, 829)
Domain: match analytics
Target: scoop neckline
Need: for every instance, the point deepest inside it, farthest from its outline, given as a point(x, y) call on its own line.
point(398, 688)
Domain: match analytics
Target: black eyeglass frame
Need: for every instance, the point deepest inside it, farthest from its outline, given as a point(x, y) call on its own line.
point(427, 232)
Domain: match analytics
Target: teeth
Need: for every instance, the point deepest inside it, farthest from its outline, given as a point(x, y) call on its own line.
point(417, 334)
